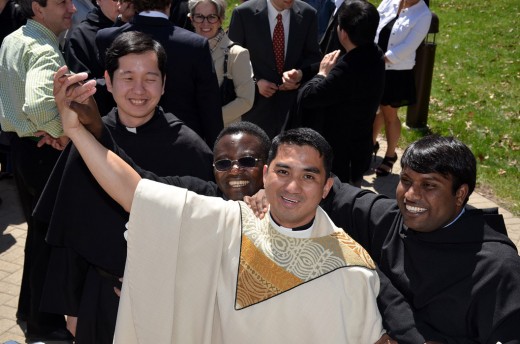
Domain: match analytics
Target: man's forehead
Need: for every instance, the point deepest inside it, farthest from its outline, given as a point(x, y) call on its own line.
point(123, 71)
point(300, 153)
point(290, 145)
point(247, 140)
point(136, 57)
point(408, 172)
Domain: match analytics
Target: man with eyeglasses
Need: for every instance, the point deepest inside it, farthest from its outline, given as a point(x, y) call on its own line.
point(239, 154)
point(202, 270)
point(191, 92)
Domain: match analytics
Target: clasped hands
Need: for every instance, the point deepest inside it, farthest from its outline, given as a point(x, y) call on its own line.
point(67, 92)
point(77, 107)
point(291, 81)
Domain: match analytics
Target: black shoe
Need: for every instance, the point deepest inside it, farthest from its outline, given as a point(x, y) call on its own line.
point(62, 335)
point(21, 317)
point(375, 149)
point(386, 166)
point(6, 175)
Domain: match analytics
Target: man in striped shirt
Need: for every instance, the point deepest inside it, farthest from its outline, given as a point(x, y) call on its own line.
point(28, 59)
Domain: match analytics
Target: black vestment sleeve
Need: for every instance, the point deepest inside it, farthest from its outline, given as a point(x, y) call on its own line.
point(360, 214)
point(507, 332)
point(397, 314)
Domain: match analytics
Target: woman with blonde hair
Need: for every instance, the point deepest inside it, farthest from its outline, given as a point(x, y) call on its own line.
point(230, 60)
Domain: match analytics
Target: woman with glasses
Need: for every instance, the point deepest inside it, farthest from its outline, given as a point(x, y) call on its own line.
point(402, 27)
point(207, 17)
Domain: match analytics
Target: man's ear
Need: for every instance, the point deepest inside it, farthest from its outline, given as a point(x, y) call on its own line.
point(327, 187)
point(461, 194)
point(163, 82)
point(342, 34)
point(37, 10)
point(265, 173)
point(108, 82)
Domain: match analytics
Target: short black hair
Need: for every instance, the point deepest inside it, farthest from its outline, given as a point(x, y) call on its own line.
point(304, 137)
point(133, 42)
point(444, 155)
point(359, 19)
point(26, 7)
point(150, 5)
point(248, 128)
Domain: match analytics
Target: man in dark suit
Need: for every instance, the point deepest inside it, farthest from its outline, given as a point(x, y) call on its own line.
point(191, 91)
point(252, 26)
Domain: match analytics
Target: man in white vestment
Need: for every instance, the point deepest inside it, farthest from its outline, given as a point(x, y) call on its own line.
point(204, 270)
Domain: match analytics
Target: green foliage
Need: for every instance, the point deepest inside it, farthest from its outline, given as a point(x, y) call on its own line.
point(231, 4)
point(475, 91)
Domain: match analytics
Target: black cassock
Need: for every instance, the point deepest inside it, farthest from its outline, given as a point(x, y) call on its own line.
point(462, 281)
point(86, 225)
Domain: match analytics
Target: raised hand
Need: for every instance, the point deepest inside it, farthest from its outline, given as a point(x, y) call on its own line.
point(328, 62)
point(74, 99)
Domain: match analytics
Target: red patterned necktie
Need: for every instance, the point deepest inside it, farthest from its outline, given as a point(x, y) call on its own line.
point(279, 44)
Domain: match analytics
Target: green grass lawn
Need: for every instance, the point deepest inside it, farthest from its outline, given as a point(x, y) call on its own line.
point(476, 90)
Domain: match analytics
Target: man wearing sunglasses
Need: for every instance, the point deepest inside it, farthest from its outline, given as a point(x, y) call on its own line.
point(240, 153)
point(203, 270)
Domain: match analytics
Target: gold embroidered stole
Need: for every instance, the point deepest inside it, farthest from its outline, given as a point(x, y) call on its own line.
point(272, 263)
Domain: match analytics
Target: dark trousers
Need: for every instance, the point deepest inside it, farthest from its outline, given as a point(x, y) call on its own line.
point(4, 158)
point(351, 158)
point(31, 168)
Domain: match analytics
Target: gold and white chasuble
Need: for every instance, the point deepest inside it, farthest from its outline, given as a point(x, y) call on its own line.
point(204, 270)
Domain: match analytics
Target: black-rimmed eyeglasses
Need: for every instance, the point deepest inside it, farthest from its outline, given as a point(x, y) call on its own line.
point(226, 164)
point(199, 18)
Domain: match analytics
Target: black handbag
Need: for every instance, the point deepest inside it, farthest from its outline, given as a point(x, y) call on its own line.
point(227, 89)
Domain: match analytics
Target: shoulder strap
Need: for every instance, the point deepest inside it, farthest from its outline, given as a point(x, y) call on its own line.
point(226, 53)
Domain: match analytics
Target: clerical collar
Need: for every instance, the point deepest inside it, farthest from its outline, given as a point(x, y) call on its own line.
point(452, 222)
point(449, 224)
point(153, 13)
point(296, 229)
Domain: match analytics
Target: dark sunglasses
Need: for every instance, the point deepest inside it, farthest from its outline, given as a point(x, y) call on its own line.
point(227, 164)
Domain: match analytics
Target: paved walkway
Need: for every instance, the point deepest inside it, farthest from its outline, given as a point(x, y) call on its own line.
point(13, 232)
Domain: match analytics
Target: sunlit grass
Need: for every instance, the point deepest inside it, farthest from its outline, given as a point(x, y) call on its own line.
point(476, 90)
